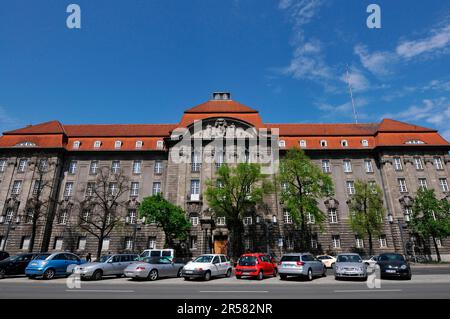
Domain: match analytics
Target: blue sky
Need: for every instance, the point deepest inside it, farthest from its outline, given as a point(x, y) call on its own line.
point(147, 61)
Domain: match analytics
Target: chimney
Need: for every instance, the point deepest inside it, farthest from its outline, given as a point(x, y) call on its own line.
point(221, 96)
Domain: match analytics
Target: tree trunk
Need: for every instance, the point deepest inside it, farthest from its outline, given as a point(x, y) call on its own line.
point(437, 249)
point(99, 247)
point(32, 237)
point(236, 241)
point(370, 243)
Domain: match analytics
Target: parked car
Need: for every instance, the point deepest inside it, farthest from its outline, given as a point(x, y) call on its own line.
point(152, 268)
point(207, 266)
point(327, 260)
point(350, 265)
point(108, 265)
point(255, 265)
point(15, 265)
point(51, 265)
point(394, 265)
point(3, 255)
point(301, 265)
point(168, 252)
point(370, 260)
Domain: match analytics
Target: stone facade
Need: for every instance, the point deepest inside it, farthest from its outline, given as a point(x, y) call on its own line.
point(269, 230)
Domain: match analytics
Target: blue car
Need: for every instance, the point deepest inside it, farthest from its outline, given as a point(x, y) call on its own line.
point(51, 265)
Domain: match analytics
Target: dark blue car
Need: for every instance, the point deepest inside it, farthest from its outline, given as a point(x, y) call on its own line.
point(51, 265)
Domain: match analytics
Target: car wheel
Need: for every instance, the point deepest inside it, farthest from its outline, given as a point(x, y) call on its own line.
point(408, 277)
point(187, 278)
point(275, 272)
point(153, 275)
point(179, 272)
point(283, 277)
point(207, 276)
point(49, 274)
point(228, 273)
point(364, 278)
point(336, 278)
point(324, 273)
point(119, 276)
point(260, 275)
point(238, 277)
point(2, 273)
point(310, 275)
point(97, 275)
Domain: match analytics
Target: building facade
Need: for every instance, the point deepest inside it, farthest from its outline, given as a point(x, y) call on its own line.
point(51, 166)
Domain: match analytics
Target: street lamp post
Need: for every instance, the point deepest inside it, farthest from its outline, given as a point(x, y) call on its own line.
point(136, 224)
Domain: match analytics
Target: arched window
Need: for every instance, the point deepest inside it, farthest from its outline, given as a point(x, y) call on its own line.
point(323, 143)
point(344, 143)
point(302, 143)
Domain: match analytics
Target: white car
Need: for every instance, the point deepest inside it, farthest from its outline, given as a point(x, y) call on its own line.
point(371, 261)
point(327, 260)
point(207, 266)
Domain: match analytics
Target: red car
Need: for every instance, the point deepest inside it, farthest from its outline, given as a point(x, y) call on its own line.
point(255, 265)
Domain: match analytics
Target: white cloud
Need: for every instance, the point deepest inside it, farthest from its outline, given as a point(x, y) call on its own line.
point(376, 62)
point(344, 110)
point(438, 39)
point(437, 85)
point(357, 80)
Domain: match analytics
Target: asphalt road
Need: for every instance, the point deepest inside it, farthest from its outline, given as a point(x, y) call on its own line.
point(426, 283)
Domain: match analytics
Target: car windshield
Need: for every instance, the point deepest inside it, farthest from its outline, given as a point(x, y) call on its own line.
point(104, 258)
point(12, 258)
point(247, 261)
point(290, 258)
point(42, 256)
point(204, 259)
point(349, 259)
point(391, 257)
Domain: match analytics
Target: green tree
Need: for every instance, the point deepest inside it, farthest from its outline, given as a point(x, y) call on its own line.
point(171, 218)
point(366, 211)
point(430, 217)
point(304, 184)
point(234, 195)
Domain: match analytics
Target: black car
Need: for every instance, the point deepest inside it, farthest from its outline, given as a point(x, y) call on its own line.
point(394, 265)
point(3, 255)
point(15, 265)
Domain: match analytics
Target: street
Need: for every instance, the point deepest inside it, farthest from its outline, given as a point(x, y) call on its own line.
point(427, 282)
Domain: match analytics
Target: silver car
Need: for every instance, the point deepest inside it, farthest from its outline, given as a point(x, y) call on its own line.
point(153, 268)
point(108, 265)
point(350, 265)
point(301, 264)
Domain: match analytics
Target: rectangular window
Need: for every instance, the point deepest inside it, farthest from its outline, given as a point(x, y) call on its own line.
point(81, 245)
point(17, 186)
point(248, 220)
point(42, 166)
point(76, 144)
point(195, 164)
point(105, 246)
point(347, 166)
point(326, 168)
point(219, 159)
point(350, 187)
point(160, 145)
point(3, 164)
point(438, 242)
point(194, 220)
point(25, 243)
point(138, 144)
point(287, 217)
point(423, 183)
point(128, 243)
point(368, 165)
point(383, 241)
point(438, 163)
point(310, 218)
point(68, 190)
point(90, 187)
point(290, 244)
point(221, 221)
point(29, 216)
point(117, 144)
point(73, 167)
point(63, 217)
point(359, 242)
point(151, 242)
point(58, 243)
point(37, 187)
point(336, 241)
point(158, 167)
point(137, 167)
point(2, 241)
point(93, 168)
point(444, 184)
point(85, 216)
point(115, 167)
point(22, 165)
point(97, 144)
point(195, 189)
point(113, 189)
point(193, 242)
point(333, 215)
point(314, 242)
point(134, 189)
point(398, 164)
point(402, 185)
point(156, 188)
point(132, 216)
point(248, 244)
point(418, 163)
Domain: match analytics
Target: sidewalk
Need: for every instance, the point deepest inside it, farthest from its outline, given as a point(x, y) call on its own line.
point(420, 265)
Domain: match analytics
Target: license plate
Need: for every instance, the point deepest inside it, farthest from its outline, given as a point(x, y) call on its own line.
point(189, 271)
point(288, 265)
point(391, 271)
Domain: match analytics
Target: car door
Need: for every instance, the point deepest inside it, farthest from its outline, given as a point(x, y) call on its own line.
point(319, 265)
point(223, 265)
point(59, 263)
point(215, 269)
point(22, 263)
point(268, 267)
point(116, 265)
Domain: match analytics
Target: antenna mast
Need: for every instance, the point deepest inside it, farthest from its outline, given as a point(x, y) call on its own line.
point(355, 115)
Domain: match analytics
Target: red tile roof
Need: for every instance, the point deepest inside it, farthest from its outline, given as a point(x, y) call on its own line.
point(221, 106)
point(52, 127)
point(324, 129)
point(119, 130)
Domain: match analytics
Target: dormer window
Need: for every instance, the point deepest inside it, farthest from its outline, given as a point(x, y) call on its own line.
point(221, 96)
point(344, 143)
point(414, 142)
point(138, 144)
point(302, 143)
point(76, 144)
point(365, 143)
point(97, 144)
point(117, 144)
point(323, 143)
point(281, 143)
point(160, 144)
